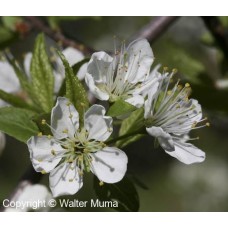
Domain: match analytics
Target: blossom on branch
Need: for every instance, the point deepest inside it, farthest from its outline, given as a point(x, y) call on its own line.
point(170, 116)
point(124, 76)
point(74, 150)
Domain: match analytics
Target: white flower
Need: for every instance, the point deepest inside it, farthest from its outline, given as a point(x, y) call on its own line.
point(170, 116)
point(73, 150)
point(72, 55)
point(124, 76)
point(9, 81)
point(2, 142)
point(31, 197)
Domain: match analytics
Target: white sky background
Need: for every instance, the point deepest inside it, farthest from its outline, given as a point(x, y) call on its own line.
point(113, 8)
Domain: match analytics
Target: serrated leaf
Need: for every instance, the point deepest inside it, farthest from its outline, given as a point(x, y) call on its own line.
point(76, 67)
point(42, 75)
point(75, 91)
point(124, 192)
point(131, 124)
point(17, 123)
point(119, 108)
point(15, 101)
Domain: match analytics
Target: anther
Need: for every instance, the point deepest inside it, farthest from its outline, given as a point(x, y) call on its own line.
point(101, 183)
point(65, 131)
point(187, 85)
point(68, 103)
point(43, 122)
point(40, 134)
point(43, 172)
point(174, 70)
point(208, 124)
point(169, 92)
point(71, 180)
point(53, 152)
point(49, 136)
point(165, 68)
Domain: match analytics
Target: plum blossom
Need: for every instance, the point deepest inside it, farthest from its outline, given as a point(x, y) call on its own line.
point(123, 76)
point(74, 150)
point(170, 116)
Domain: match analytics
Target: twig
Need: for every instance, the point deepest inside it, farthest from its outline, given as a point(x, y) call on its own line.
point(219, 33)
point(56, 35)
point(155, 28)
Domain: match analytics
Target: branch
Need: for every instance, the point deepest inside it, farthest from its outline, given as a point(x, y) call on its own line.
point(155, 28)
point(35, 22)
point(219, 32)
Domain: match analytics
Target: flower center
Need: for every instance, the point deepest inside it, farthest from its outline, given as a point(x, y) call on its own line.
point(79, 149)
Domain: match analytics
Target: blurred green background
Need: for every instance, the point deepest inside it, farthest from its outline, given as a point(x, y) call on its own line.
point(168, 185)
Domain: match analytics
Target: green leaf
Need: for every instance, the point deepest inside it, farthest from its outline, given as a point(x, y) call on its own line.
point(131, 124)
point(119, 108)
point(15, 101)
point(42, 75)
point(76, 67)
point(75, 91)
point(124, 192)
point(17, 123)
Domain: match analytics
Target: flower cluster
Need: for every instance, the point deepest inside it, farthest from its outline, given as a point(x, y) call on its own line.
point(77, 147)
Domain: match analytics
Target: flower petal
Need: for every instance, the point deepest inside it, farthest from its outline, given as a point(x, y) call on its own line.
point(165, 139)
point(82, 71)
point(109, 165)
point(99, 65)
point(9, 81)
point(187, 153)
point(65, 180)
point(58, 81)
point(97, 124)
point(140, 59)
point(101, 95)
point(64, 119)
point(27, 63)
point(136, 100)
point(72, 55)
point(28, 196)
point(45, 153)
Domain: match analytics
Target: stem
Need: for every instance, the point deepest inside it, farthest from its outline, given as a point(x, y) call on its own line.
point(155, 28)
point(126, 136)
point(35, 22)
